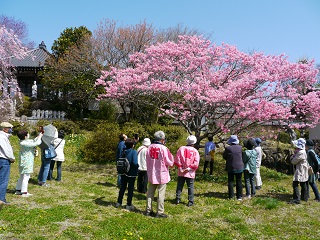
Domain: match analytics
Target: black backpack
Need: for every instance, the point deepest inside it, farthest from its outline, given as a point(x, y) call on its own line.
point(123, 165)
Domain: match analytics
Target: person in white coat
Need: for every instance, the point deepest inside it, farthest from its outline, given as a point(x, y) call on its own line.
point(258, 163)
point(59, 144)
point(142, 183)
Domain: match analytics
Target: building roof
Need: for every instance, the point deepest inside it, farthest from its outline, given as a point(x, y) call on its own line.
point(34, 58)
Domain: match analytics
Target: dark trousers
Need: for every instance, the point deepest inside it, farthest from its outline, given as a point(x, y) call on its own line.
point(314, 189)
point(205, 166)
point(249, 183)
point(296, 192)
point(190, 184)
point(52, 163)
point(142, 182)
point(126, 181)
point(238, 177)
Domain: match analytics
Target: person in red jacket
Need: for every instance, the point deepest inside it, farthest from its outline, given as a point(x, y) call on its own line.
point(187, 160)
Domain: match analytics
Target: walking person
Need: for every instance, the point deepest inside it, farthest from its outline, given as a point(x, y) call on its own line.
point(313, 162)
point(258, 165)
point(209, 151)
point(142, 182)
point(159, 159)
point(58, 144)
point(6, 158)
point(128, 179)
point(121, 146)
point(300, 167)
point(234, 166)
point(249, 158)
point(26, 161)
point(187, 160)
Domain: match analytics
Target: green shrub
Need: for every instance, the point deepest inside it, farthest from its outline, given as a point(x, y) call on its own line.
point(90, 124)
point(68, 126)
point(101, 145)
point(284, 137)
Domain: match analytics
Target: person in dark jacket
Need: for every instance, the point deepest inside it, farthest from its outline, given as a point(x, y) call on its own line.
point(121, 146)
point(313, 162)
point(129, 178)
point(234, 166)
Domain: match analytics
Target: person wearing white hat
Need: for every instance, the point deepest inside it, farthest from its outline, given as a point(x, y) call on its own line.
point(187, 160)
point(6, 158)
point(300, 168)
point(142, 182)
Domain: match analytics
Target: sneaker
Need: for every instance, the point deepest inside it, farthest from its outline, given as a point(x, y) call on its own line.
point(161, 215)
point(239, 199)
point(248, 196)
point(294, 202)
point(118, 205)
point(26, 194)
point(258, 187)
point(177, 201)
point(18, 192)
point(130, 208)
point(43, 184)
point(190, 204)
point(149, 214)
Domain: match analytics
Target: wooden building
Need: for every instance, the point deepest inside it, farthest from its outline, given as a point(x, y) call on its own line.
point(27, 69)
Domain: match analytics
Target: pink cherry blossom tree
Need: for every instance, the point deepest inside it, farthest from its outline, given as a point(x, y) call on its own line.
point(10, 46)
point(216, 89)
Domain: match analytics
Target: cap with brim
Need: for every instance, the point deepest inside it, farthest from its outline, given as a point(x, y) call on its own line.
point(6, 125)
point(300, 143)
point(233, 140)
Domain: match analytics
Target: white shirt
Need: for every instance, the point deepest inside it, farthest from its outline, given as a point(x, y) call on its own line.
point(6, 151)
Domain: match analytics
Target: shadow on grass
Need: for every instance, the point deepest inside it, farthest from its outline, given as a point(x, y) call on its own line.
point(106, 184)
point(101, 202)
point(221, 195)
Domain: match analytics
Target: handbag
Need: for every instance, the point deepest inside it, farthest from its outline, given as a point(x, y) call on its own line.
point(50, 152)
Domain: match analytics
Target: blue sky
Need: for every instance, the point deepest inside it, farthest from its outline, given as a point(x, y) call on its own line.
point(291, 27)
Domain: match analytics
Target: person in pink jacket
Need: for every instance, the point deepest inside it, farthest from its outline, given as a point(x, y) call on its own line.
point(159, 159)
point(187, 160)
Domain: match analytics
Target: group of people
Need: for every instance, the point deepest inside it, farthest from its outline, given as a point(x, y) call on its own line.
point(26, 159)
point(151, 163)
point(306, 168)
point(247, 162)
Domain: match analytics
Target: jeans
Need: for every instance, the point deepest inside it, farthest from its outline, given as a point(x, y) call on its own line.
point(124, 182)
point(238, 177)
point(59, 163)
point(315, 190)
point(142, 182)
point(44, 170)
point(249, 182)
point(4, 178)
point(296, 192)
point(190, 184)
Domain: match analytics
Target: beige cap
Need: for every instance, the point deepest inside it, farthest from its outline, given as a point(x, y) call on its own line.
point(6, 125)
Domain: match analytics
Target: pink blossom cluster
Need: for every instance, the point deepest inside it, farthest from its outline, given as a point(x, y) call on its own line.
point(193, 79)
point(10, 46)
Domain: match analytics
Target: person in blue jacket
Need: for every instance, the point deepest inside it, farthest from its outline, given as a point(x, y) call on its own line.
point(128, 180)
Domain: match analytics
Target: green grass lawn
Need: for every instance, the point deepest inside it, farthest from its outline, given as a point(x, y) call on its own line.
point(82, 206)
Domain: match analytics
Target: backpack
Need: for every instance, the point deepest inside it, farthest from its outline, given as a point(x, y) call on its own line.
point(317, 156)
point(123, 165)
